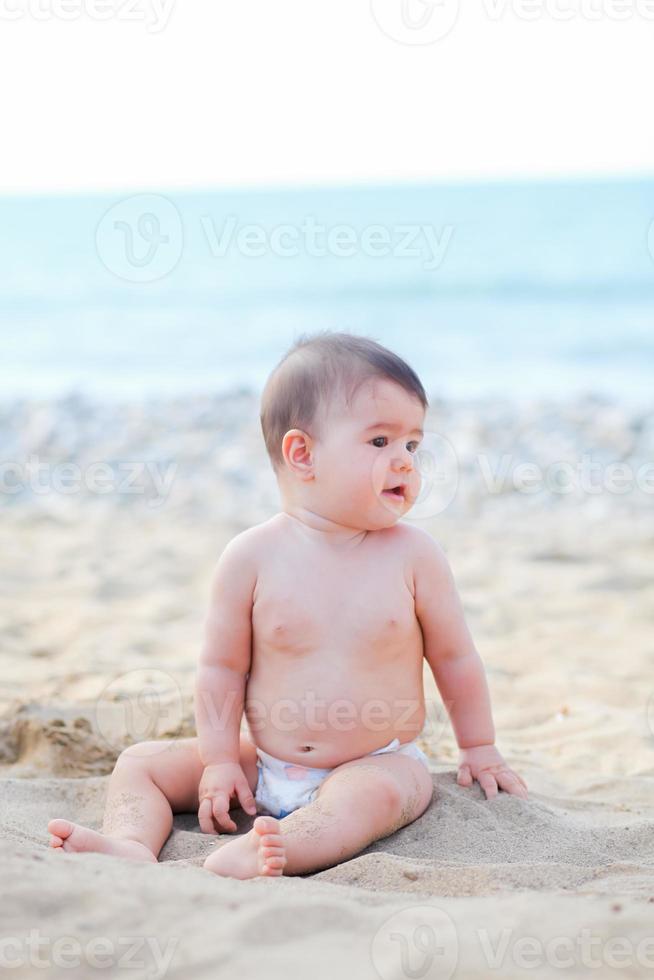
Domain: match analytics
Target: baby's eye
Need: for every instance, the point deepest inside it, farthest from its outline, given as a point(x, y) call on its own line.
point(414, 443)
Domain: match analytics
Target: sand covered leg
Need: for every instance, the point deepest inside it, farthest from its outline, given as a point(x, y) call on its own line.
point(151, 781)
point(358, 803)
point(138, 817)
point(74, 838)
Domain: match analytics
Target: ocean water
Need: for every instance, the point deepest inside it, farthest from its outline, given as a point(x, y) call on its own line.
point(516, 290)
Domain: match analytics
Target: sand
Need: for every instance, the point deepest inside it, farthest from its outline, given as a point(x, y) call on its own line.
point(104, 594)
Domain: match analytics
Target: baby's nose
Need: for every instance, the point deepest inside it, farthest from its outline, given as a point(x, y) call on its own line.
point(403, 462)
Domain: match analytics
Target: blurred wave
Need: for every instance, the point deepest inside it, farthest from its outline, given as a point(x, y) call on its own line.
point(514, 290)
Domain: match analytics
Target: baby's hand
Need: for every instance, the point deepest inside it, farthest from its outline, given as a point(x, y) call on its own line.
point(218, 784)
point(485, 764)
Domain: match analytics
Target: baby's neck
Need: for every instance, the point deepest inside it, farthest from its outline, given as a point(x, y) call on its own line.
point(321, 529)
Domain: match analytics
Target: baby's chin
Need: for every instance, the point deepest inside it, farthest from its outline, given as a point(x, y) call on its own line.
point(384, 518)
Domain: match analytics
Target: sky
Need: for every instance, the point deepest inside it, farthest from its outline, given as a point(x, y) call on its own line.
point(105, 95)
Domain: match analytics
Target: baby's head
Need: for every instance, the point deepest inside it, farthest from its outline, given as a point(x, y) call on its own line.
point(342, 419)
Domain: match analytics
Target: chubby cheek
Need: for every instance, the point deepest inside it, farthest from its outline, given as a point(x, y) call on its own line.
point(378, 468)
point(415, 485)
point(361, 491)
point(358, 486)
point(348, 490)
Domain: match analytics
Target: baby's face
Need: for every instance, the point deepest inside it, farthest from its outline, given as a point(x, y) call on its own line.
point(366, 451)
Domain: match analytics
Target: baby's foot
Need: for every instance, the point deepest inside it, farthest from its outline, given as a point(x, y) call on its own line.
point(73, 838)
point(260, 852)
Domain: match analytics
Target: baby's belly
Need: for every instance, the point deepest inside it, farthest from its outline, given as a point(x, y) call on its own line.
point(315, 721)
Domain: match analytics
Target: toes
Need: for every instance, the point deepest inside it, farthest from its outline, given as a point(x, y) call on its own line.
point(60, 828)
point(276, 861)
point(271, 840)
point(266, 825)
point(272, 856)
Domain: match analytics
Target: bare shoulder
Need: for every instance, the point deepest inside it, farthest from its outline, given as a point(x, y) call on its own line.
point(247, 544)
point(425, 558)
point(420, 544)
point(237, 567)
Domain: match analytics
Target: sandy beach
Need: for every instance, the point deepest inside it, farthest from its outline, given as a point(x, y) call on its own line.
point(104, 582)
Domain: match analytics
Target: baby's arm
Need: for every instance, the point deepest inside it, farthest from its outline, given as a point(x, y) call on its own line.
point(220, 684)
point(458, 671)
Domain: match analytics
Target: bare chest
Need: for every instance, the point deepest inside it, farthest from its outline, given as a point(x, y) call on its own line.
point(302, 607)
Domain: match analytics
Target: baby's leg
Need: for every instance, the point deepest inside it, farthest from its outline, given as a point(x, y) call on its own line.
point(358, 803)
point(150, 782)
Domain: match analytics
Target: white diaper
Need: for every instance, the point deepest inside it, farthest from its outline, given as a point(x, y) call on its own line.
point(284, 786)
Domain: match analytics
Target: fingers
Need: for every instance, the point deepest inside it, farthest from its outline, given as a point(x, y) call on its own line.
point(221, 811)
point(512, 783)
point(464, 777)
point(245, 797)
point(492, 780)
point(487, 782)
point(215, 797)
point(205, 817)
point(215, 812)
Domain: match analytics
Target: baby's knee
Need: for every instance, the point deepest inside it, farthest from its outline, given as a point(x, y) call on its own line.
point(389, 796)
point(374, 789)
point(141, 752)
point(402, 804)
point(382, 796)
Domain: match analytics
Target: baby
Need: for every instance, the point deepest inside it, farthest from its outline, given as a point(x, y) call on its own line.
point(318, 623)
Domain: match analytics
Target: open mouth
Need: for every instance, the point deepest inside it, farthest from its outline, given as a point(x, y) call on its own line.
point(395, 492)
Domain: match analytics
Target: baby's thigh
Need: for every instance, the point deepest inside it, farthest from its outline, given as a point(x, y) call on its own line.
point(390, 784)
point(175, 767)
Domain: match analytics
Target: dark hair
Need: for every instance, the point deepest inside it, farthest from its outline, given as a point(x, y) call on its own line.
point(313, 369)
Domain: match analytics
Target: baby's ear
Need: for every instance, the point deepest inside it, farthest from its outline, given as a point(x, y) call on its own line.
point(297, 450)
